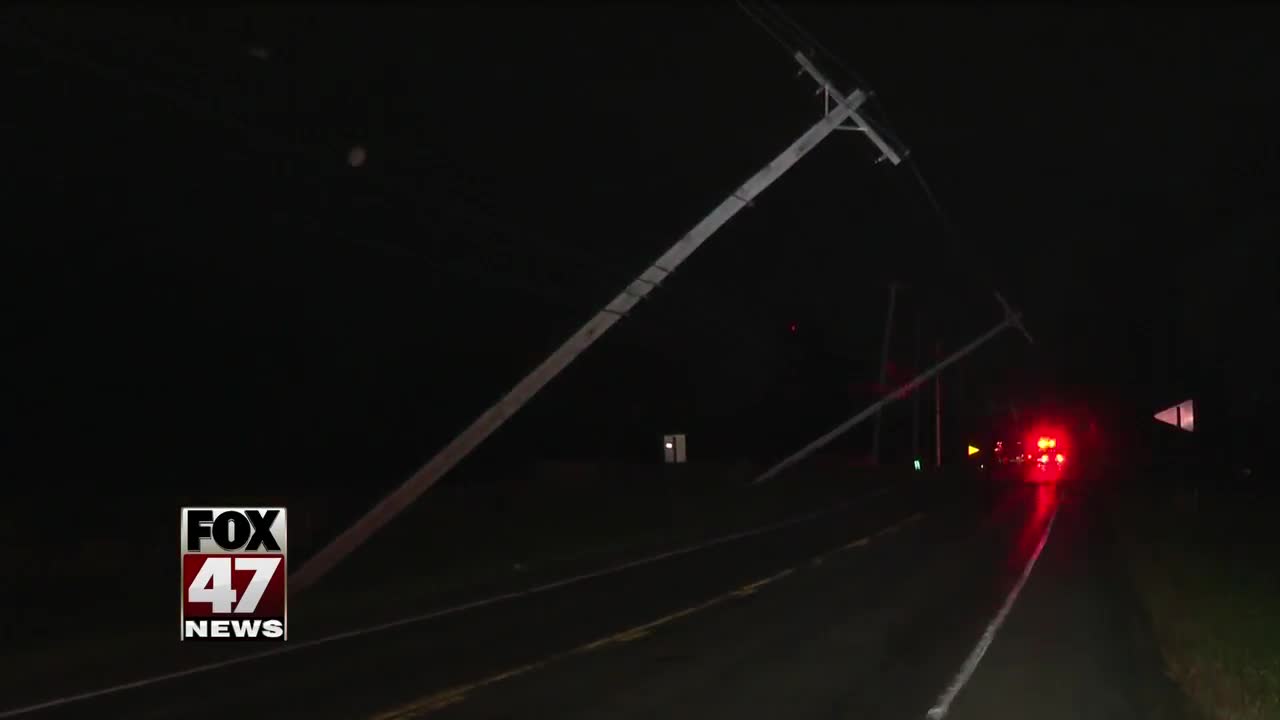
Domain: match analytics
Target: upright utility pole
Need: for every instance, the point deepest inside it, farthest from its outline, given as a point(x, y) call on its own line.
point(937, 414)
point(842, 110)
point(915, 397)
point(884, 369)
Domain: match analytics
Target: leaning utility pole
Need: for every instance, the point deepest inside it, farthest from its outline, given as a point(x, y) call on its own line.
point(844, 108)
point(1012, 319)
point(884, 369)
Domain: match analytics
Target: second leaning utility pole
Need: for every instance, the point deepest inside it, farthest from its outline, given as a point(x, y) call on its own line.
point(1010, 320)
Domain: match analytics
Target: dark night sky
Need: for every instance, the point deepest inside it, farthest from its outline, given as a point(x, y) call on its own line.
point(204, 289)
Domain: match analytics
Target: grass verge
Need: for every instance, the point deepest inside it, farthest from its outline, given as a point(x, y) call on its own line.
point(1205, 567)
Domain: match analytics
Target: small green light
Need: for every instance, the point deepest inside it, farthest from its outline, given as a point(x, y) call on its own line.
point(916, 463)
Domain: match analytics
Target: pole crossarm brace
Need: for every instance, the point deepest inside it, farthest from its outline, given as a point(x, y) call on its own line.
point(901, 392)
point(493, 418)
point(852, 103)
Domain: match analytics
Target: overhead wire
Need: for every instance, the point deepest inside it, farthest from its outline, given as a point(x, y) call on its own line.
point(759, 20)
point(950, 232)
point(817, 46)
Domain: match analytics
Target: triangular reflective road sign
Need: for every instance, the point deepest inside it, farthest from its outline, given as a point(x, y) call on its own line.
point(1182, 415)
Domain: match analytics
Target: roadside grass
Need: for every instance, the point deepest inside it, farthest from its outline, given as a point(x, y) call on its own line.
point(1208, 571)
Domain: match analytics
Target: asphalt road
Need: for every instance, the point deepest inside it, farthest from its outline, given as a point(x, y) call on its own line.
point(866, 613)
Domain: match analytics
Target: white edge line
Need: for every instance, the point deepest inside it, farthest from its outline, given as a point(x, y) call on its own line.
point(294, 647)
point(939, 711)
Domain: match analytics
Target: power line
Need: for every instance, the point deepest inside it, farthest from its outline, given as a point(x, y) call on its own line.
point(949, 231)
point(817, 46)
point(758, 19)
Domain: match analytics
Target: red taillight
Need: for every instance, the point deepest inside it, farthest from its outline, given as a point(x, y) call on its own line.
point(1061, 458)
point(1044, 458)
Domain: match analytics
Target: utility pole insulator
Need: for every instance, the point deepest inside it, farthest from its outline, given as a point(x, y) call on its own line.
point(885, 148)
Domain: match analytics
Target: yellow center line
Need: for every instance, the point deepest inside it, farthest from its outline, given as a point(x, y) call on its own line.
point(437, 701)
point(898, 525)
point(440, 700)
point(752, 587)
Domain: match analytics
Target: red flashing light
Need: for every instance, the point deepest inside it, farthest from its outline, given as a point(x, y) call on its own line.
point(793, 328)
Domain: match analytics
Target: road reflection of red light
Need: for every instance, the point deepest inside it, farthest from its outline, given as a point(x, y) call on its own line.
point(1046, 497)
point(1043, 505)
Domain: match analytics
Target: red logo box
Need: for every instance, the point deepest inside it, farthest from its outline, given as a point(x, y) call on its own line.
point(234, 573)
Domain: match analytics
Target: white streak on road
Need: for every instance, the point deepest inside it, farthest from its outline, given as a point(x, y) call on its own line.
point(433, 615)
point(939, 711)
